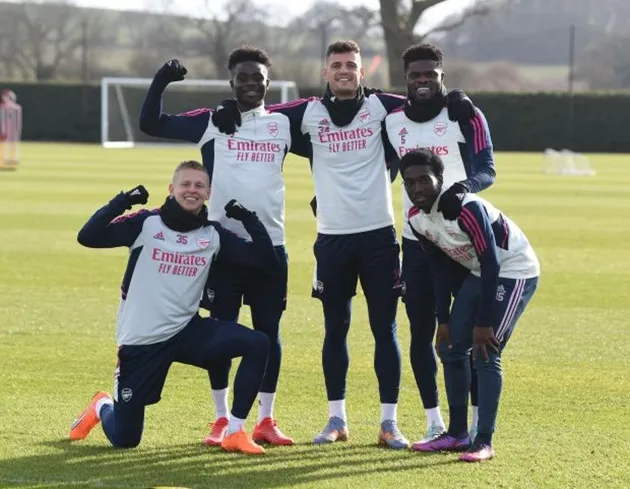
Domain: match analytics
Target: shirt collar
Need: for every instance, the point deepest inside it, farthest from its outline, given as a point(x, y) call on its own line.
point(260, 110)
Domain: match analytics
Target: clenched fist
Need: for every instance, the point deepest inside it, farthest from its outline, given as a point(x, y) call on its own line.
point(172, 71)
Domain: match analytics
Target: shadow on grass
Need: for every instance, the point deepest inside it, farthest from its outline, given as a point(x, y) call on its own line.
point(197, 466)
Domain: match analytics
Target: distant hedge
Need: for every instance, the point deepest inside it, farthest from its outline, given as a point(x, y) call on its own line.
point(518, 121)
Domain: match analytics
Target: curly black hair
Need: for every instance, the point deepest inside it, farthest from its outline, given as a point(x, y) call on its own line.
point(248, 53)
point(422, 157)
point(421, 52)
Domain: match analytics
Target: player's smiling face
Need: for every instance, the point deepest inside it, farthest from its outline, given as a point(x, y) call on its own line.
point(343, 74)
point(249, 83)
point(422, 186)
point(424, 79)
point(190, 188)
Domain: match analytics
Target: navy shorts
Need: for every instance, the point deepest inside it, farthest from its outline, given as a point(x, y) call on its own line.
point(343, 259)
point(142, 369)
point(229, 286)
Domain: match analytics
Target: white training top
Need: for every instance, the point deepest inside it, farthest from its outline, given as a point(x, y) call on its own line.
point(247, 166)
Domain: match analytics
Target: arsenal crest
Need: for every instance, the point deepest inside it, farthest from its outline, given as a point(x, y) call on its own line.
point(364, 115)
point(203, 243)
point(440, 128)
point(272, 127)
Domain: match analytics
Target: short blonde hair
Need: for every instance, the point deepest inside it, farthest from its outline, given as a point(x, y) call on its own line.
point(189, 165)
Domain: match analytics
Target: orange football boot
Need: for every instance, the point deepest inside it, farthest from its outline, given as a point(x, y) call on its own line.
point(88, 418)
point(240, 441)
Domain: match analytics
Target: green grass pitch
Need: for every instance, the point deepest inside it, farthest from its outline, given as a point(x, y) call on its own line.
point(564, 420)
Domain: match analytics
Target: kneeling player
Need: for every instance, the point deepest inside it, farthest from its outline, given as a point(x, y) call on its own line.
point(503, 276)
point(171, 250)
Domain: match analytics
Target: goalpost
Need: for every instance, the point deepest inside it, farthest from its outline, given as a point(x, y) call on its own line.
point(122, 98)
point(565, 162)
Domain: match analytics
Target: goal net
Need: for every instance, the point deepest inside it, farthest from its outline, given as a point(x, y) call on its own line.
point(122, 98)
point(566, 162)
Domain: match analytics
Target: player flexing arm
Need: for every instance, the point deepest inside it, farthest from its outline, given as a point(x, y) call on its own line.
point(171, 251)
point(342, 134)
point(189, 126)
point(105, 229)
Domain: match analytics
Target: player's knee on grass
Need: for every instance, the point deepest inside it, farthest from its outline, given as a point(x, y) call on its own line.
point(123, 427)
point(127, 442)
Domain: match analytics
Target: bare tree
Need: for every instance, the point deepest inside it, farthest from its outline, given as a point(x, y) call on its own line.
point(242, 23)
point(326, 21)
point(400, 18)
point(606, 65)
point(155, 38)
point(39, 36)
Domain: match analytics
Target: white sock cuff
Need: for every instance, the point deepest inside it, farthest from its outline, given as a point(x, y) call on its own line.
point(338, 408)
point(434, 417)
point(389, 411)
point(266, 401)
point(100, 403)
point(220, 398)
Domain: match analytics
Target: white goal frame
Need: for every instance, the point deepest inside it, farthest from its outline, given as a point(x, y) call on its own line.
point(284, 86)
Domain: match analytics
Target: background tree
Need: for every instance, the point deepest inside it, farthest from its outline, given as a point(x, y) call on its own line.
point(606, 65)
point(400, 19)
point(242, 22)
point(37, 37)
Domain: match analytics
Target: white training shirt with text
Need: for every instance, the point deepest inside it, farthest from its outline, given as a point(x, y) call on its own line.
point(247, 166)
point(440, 135)
point(167, 282)
point(516, 256)
point(352, 182)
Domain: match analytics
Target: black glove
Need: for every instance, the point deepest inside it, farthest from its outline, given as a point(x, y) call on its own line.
point(137, 195)
point(234, 210)
point(172, 71)
point(369, 91)
point(460, 107)
point(313, 204)
point(227, 118)
point(450, 204)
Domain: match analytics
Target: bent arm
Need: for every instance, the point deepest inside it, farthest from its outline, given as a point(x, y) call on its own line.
point(480, 153)
point(107, 228)
point(258, 253)
point(189, 126)
point(474, 221)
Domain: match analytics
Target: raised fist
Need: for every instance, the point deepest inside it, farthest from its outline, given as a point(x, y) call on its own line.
point(137, 195)
point(234, 210)
point(172, 71)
